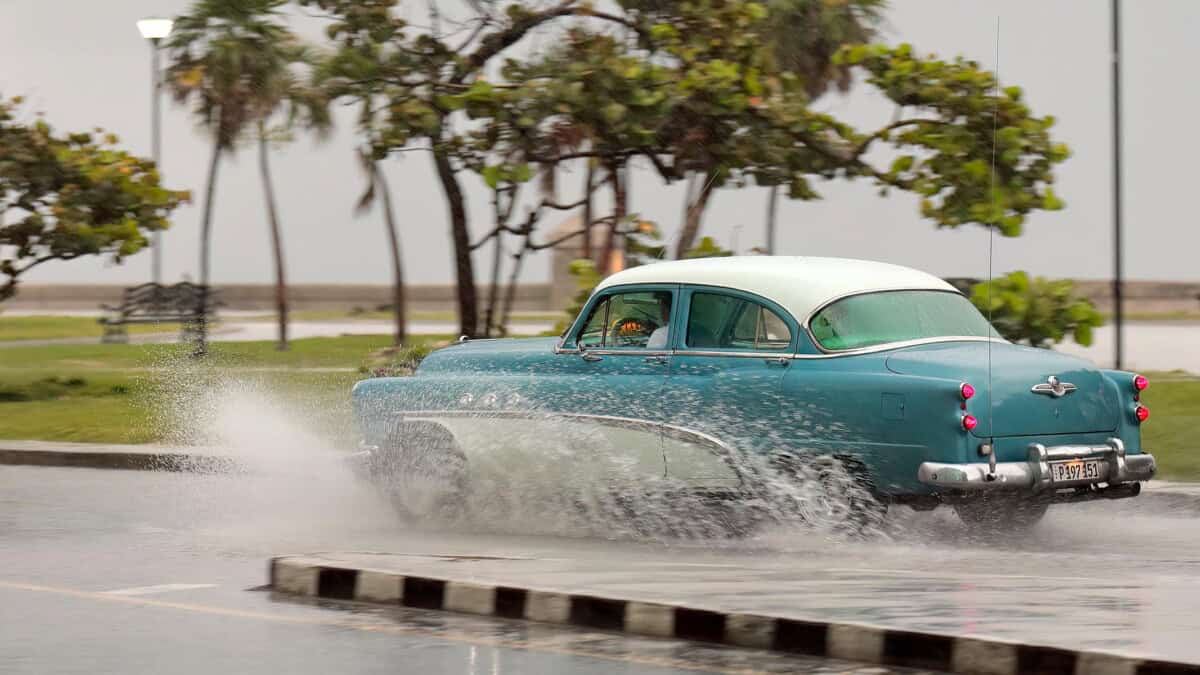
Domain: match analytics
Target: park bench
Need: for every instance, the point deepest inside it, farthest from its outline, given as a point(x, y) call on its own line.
point(191, 305)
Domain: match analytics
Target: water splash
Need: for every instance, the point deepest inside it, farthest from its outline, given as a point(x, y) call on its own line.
point(293, 474)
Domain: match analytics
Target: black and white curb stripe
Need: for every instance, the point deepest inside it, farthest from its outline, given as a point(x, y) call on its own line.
point(852, 642)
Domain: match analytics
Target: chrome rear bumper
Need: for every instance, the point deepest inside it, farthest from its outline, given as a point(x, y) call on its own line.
point(1034, 473)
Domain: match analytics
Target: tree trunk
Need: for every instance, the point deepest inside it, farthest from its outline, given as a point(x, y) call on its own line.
point(693, 218)
point(510, 292)
point(616, 178)
point(772, 212)
point(468, 310)
point(389, 220)
point(589, 175)
point(281, 303)
point(494, 280)
point(210, 192)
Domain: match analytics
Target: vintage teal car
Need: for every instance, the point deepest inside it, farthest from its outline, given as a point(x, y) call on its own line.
point(700, 372)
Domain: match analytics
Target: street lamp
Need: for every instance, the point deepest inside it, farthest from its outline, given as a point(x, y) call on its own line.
point(155, 29)
point(1118, 262)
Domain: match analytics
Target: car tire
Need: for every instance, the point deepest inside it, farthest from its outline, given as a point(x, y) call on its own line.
point(843, 501)
point(1002, 513)
point(423, 471)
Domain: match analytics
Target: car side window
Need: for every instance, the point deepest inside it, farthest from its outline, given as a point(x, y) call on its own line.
point(635, 320)
point(723, 321)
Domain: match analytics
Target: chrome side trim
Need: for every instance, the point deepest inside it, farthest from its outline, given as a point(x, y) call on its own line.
point(888, 346)
point(1034, 475)
point(736, 355)
point(681, 352)
point(627, 352)
point(673, 431)
point(784, 355)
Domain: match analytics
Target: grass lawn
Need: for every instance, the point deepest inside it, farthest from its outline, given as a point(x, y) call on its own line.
point(56, 327)
point(131, 393)
point(53, 327)
point(1174, 416)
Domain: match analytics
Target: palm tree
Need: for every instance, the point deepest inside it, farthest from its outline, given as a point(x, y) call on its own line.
point(235, 61)
point(804, 36)
point(377, 186)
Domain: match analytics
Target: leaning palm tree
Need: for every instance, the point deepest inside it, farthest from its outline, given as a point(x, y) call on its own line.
point(377, 186)
point(804, 36)
point(235, 61)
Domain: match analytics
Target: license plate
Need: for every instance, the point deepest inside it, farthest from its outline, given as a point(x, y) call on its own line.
point(1076, 469)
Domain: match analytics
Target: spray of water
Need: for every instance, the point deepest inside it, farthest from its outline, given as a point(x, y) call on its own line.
point(271, 464)
point(286, 466)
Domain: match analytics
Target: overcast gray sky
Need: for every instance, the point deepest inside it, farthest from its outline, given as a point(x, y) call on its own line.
point(84, 64)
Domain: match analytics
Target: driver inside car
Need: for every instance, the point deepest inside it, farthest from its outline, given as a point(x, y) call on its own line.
point(658, 338)
point(646, 324)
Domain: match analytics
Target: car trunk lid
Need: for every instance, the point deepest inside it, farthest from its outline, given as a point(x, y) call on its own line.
point(1017, 410)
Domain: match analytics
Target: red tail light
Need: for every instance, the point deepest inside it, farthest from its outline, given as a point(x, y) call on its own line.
point(966, 390)
point(969, 422)
point(1142, 413)
point(1140, 382)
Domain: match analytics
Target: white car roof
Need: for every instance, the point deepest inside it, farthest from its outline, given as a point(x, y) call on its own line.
point(798, 284)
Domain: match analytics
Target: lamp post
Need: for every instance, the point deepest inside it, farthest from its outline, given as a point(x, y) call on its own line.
point(1118, 267)
point(154, 30)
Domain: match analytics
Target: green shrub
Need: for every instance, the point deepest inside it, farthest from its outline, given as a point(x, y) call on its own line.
point(1039, 311)
point(397, 361)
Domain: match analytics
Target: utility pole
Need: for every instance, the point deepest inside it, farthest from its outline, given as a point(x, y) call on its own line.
point(772, 210)
point(1118, 271)
point(154, 30)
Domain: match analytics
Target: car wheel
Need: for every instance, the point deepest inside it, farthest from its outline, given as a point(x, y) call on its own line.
point(1002, 513)
point(827, 493)
point(423, 471)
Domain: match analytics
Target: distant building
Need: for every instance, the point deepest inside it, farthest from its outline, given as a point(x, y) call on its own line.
point(562, 284)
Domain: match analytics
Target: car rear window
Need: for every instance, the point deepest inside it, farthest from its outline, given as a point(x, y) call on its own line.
point(896, 316)
point(726, 322)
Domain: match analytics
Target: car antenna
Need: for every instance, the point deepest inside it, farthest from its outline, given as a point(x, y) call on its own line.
point(991, 245)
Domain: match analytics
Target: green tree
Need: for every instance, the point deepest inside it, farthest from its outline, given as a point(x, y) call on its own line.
point(1038, 312)
point(237, 61)
point(406, 80)
point(693, 88)
point(700, 95)
point(71, 195)
point(796, 37)
point(805, 36)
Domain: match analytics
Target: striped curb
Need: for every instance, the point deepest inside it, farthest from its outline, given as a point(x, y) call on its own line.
point(849, 641)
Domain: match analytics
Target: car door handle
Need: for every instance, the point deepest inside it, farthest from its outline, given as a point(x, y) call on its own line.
point(776, 361)
point(661, 360)
point(588, 356)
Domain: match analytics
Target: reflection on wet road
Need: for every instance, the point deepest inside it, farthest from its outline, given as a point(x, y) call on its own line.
point(109, 571)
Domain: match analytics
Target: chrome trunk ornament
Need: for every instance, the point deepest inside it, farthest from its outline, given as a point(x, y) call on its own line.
point(1053, 387)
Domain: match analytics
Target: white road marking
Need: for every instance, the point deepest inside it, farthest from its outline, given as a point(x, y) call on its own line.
point(159, 588)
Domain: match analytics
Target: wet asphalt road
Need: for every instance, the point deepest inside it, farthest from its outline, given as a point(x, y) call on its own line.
point(110, 571)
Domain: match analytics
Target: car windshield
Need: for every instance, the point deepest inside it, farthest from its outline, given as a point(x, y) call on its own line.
point(896, 316)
